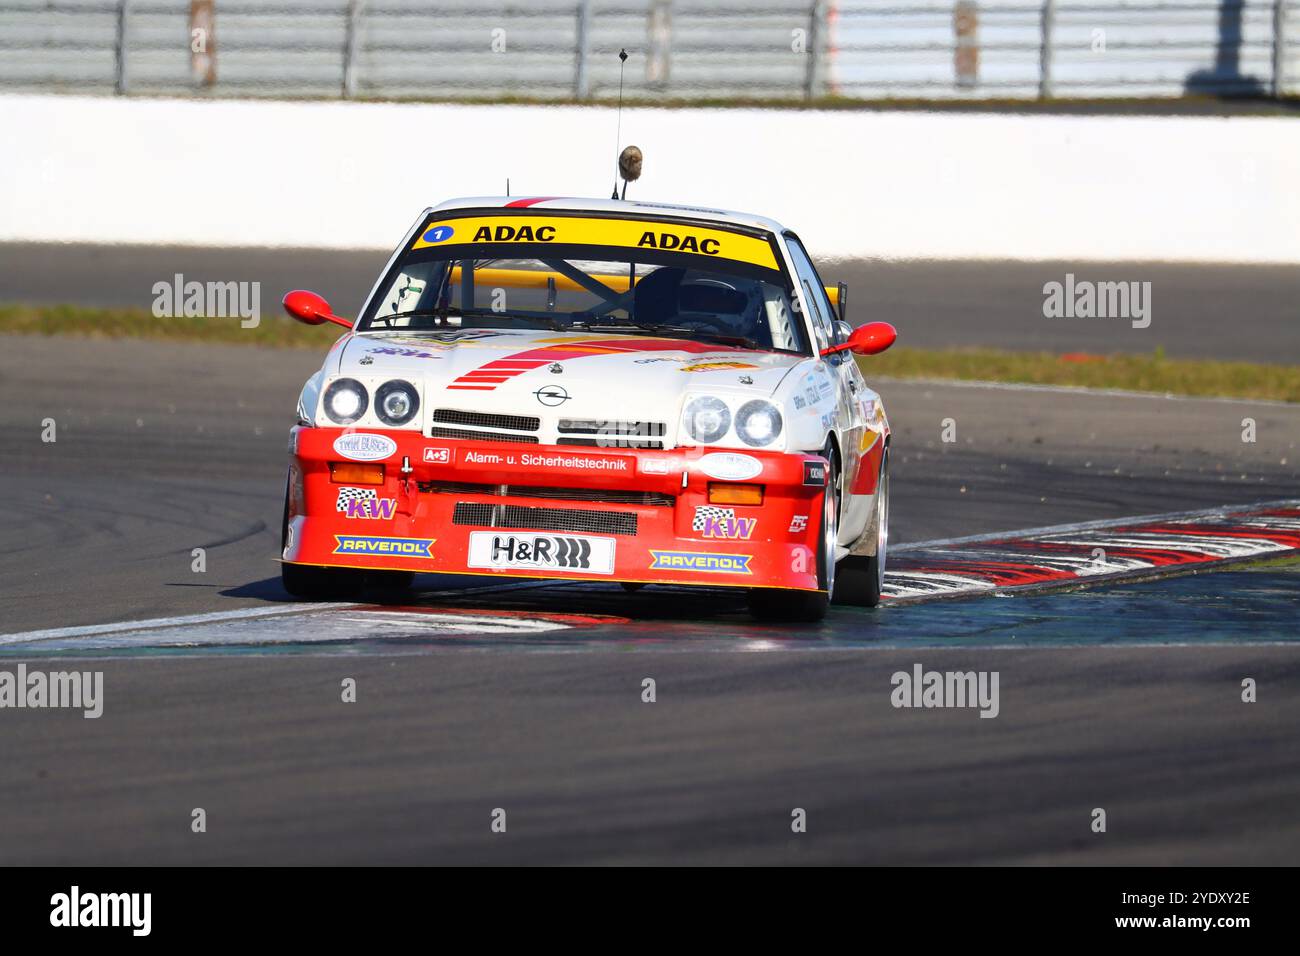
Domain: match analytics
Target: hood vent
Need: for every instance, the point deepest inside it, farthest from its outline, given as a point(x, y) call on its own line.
point(516, 423)
point(611, 434)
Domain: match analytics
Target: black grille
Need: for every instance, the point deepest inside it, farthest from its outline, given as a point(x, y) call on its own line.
point(436, 432)
point(518, 423)
point(604, 495)
point(606, 441)
point(604, 433)
point(616, 429)
point(544, 519)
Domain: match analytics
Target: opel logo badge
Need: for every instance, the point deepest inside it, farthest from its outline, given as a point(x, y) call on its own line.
point(552, 395)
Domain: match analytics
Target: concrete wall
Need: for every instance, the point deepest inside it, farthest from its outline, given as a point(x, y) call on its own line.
point(853, 184)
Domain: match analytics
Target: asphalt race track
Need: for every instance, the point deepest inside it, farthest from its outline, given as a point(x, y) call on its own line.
point(1198, 310)
point(162, 448)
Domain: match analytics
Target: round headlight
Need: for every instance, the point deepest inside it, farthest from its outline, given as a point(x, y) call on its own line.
point(707, 419)
point(758, 423)
point(346, 401)
point(396, 402)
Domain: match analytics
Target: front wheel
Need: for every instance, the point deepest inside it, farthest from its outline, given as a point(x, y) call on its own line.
point(862, 577)
point(308, 582)
point(774, 604)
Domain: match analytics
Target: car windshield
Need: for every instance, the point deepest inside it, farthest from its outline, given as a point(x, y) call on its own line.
point(494, 280)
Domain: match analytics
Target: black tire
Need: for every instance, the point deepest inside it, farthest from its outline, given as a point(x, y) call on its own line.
point(308, 582)
point(778, 604)
point(861, 577)
point(631, 587)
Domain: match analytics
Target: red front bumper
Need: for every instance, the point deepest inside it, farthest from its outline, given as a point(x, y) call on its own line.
point(552, 511)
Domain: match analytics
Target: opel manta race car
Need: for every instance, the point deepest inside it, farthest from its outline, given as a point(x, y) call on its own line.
point(596, 390)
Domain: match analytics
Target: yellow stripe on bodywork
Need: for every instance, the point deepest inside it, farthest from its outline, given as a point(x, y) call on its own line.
point(623, 233)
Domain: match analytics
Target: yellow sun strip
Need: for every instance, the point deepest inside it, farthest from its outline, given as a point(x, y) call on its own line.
point(529, 231)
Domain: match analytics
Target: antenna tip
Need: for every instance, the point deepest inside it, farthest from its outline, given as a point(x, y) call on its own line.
point(629, 164)
point(622, 55)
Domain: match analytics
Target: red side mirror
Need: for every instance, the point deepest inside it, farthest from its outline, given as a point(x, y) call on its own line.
point(311, 309)
point(870, 339)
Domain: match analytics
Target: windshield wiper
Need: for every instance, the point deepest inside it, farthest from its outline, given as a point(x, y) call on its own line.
point(443, 313)
point(649, 328)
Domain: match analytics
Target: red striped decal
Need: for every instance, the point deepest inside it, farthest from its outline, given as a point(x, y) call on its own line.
point(560, 351)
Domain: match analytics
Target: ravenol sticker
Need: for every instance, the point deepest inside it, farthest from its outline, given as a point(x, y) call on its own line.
point(392, 547)
point(592, 231)
point(697, 561)
point(362, 447)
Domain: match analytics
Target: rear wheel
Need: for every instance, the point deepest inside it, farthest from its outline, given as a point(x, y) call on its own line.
point(862, 577)
point(776, 604)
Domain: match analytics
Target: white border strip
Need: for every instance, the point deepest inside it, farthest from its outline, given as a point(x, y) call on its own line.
point(1221, 511)
point(1075, 390)
point(57, 633)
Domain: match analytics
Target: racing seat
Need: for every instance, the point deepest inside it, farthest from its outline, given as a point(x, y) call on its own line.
point(695, 297)
point(655, 297)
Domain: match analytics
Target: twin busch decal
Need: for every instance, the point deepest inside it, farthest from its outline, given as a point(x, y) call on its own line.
point(729, 466)
point(1076, 555)
point(541, 552)
point(360, 446)
point(714, 522)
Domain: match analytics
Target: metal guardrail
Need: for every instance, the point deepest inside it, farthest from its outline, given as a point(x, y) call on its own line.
point(681, 49)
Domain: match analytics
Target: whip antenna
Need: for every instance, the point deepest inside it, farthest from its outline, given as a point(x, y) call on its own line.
point(618, 134)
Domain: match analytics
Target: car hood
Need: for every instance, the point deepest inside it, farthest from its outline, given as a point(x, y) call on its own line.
point(610, 367)
point(558, 377)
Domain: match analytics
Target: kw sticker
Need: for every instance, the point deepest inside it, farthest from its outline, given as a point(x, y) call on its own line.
point(364, 503)
point(541, 230)
point(714, 522)
point(394, 547)
point(697, 561)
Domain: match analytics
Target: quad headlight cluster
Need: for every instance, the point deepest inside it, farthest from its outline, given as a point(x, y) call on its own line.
point(708, 419)
point(347, 400)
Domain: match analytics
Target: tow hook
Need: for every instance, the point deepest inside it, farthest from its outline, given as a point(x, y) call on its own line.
point(409, 489)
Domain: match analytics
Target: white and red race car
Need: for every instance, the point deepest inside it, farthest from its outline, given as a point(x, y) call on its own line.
point(597, 390)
